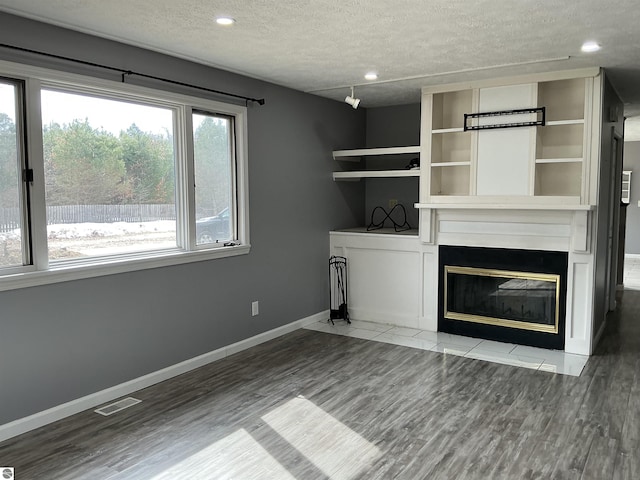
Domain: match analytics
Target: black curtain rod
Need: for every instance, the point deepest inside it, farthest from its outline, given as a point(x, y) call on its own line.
point(124, 73)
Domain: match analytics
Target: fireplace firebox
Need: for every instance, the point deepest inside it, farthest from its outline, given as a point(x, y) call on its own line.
point(515, 296)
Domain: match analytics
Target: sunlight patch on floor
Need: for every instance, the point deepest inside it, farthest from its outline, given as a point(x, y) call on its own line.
point(335, 449)
point(237, 456)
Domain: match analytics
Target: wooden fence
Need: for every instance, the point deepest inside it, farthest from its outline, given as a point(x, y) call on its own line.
point(10, 217)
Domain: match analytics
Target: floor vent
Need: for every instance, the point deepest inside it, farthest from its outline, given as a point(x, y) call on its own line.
point(117, 406)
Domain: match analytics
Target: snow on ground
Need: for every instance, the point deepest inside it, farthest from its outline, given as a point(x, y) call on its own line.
point(116, 229)
point(93, 239)
point(92, 230)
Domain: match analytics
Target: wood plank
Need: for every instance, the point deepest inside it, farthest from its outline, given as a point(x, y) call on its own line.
point(411, 413)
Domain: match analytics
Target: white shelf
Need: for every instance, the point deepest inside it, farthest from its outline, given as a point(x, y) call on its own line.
point(451, 164)
point(387, 231)
point(559, 160)
point(415, 172)
point(376, 151)
point(504, 206)
point(447, 130)
point(578, 121)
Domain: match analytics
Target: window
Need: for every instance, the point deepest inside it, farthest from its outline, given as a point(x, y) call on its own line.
point(123, 177)
point(109, 176)
point(214, 177)
point(13, 234)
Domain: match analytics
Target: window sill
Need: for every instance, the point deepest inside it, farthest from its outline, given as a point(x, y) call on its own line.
point(98, 267)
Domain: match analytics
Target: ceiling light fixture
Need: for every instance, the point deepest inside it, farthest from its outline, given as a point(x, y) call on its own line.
point(225, 21)
point(590, 47)
point(352, 100)
point(371, 76)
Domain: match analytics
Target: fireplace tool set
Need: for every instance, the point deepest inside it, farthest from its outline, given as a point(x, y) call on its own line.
point(338, 289)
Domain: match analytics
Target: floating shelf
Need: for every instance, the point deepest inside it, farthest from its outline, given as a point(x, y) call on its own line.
point(376, 174)
point(551, 123)
point(376, 151)
point(447, 130)
point(451, 164)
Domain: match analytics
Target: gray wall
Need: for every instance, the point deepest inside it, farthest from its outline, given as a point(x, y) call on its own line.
point(392, 127)
point(611, 102)
point(63, 341)
point(632, 162)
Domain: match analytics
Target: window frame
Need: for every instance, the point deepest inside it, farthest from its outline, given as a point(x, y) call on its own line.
point(41, 271)
point(22, 165)
point(234, 174)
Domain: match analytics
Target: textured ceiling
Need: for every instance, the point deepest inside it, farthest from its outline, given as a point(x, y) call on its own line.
point(325, 46)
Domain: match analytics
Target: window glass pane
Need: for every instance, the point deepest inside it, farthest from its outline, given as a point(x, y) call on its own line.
point(109, 176)
point(214, 179)
point(11, 251)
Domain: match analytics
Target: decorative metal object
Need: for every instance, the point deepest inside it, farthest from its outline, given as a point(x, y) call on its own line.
point(400, 226)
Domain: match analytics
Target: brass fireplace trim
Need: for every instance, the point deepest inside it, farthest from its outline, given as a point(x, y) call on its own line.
point(503, 322)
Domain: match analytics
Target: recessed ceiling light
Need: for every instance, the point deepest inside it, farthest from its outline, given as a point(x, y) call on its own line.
point(225, 21)
point(589, 47)
point(371, 76)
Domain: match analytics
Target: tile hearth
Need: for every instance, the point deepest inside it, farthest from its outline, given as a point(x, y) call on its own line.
point(554, 361)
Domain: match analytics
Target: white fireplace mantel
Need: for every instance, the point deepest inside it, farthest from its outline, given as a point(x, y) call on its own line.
point(554, 227)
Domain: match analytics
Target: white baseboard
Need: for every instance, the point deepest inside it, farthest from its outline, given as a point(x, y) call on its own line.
point(395, 319)
point(40, 419)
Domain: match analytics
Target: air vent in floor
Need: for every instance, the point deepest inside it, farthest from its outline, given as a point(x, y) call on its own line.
point(117, 406)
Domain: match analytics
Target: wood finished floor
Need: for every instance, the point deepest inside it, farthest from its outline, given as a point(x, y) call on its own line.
point(311, 405)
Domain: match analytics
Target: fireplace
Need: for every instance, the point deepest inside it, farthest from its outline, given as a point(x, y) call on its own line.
point(515, 296)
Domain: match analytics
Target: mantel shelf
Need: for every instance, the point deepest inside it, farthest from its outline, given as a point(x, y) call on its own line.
point(504, 206)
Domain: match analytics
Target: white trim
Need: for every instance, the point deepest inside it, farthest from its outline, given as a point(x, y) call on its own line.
point(113, 265)
point(631, 255)
point(40, 419)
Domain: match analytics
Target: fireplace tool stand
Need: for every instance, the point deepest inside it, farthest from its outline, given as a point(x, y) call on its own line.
point(338, 289)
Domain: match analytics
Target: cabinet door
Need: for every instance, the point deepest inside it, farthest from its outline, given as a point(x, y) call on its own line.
point(505, 154)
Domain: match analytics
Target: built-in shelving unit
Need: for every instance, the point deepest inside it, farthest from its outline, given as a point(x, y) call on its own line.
point(451, 146)
point(625, 196)
point(557, 152)
point(397, 155)
point(522, 175)
point(386, 170)
point(560, 144)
